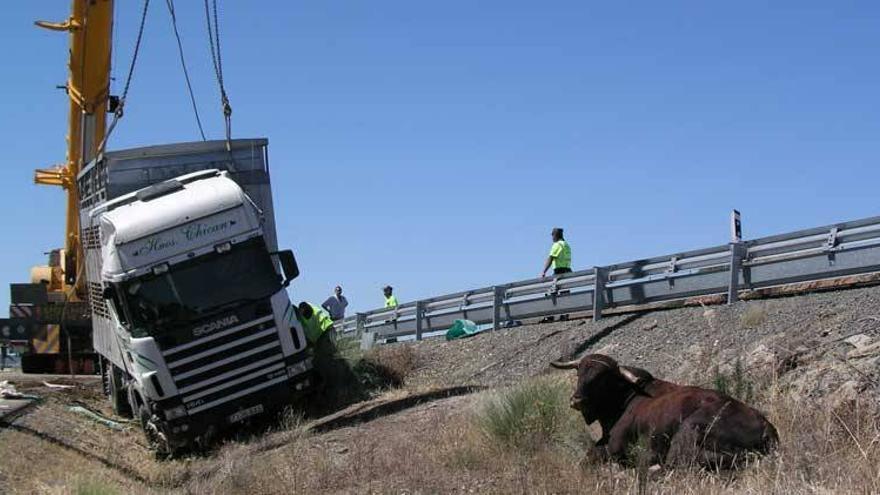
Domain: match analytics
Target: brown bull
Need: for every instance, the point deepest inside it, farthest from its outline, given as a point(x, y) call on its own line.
point(676, 423)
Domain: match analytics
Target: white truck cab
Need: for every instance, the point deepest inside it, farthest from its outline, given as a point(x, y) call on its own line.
point(194, 322)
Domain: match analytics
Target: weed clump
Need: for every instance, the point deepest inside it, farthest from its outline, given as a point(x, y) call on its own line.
point(386, 366)
point(348, 374)
point(754, 315)
point(736, 384)
point(529, 416)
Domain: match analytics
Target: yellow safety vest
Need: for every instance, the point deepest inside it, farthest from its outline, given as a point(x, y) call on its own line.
point(560, 251)
point(315, 326)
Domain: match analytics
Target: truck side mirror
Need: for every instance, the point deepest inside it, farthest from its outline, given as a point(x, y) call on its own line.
point(288, 266)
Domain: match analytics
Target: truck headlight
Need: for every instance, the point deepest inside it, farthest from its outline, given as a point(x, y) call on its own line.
point(300, 367)
point(175, 412)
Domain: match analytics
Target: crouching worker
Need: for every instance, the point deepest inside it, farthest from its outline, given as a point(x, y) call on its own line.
point(335, 381)
point(318, 328)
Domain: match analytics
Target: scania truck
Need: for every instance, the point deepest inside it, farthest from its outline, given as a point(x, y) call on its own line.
point(187, 289)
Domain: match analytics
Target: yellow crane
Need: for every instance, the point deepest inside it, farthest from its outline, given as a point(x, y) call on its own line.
point(90, 27)
point(61, 310)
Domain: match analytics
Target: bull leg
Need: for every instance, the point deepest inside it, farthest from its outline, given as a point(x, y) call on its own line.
point(693, 445)
point(685, 447)
point(598, 454)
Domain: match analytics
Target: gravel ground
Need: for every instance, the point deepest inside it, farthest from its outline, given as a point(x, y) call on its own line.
point(832, 339)
point(823, 345)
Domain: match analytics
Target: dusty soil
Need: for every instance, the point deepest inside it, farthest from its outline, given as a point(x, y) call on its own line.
point(832, 339)
point(50, 448)
point(823, 347)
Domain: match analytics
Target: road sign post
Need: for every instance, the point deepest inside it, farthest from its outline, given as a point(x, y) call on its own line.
point(736, 233)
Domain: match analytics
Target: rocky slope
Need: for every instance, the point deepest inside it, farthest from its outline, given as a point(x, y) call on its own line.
point(821, 344)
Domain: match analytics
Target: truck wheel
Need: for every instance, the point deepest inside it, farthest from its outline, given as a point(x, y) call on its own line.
point(155, 438)
point(118, 397)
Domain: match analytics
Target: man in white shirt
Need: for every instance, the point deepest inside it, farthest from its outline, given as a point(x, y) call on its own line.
point(336, 304)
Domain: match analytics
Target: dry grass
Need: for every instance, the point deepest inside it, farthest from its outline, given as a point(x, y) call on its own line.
point(736, 383)
point(822, 451)
point(521, 439)
point(754, 315)
point(95, 487)
point(387, 366)
point(447, 447)
point(33, 466)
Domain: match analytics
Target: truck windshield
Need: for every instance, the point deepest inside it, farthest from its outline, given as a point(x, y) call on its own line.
point(192, 289)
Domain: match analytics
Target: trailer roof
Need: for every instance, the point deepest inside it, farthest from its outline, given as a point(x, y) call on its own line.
point(176, 149)
point(195, 200)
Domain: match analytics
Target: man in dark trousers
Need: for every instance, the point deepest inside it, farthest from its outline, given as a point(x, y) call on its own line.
point(335, 381)
point(560, 259)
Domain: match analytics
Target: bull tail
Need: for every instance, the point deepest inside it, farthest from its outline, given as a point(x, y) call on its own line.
point(565, 365)
point(770, 439)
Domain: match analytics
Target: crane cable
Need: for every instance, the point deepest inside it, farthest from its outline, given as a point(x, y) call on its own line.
point(214, 42)
point(117, 114)
point(192, 97)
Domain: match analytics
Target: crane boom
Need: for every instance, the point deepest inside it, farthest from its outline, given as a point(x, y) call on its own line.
point(88, 86)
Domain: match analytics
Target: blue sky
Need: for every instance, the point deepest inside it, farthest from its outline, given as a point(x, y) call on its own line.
point(432, 145)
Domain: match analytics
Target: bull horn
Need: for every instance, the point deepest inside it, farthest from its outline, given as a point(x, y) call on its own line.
point(565, 365)
point(629, 375)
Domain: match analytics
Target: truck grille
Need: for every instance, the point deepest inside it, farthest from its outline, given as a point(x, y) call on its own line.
point(227, 365)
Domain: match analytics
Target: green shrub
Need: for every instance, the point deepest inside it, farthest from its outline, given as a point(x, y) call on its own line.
point(529, 416)
point(349, 348)
point(735, 384)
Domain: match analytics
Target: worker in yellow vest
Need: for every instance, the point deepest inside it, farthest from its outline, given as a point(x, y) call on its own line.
point(315, 321)
point(560, 259)
point(560, 254)
point(334, 379)
point(390, 299)
point(318, 328)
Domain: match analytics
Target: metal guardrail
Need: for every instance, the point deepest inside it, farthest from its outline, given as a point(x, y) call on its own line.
point(812, 254)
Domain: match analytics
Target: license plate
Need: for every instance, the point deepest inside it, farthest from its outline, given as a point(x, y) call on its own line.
point(245, 413)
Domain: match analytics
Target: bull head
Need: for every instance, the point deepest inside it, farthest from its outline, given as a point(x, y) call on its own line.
point(573, 365)
point(593, 371)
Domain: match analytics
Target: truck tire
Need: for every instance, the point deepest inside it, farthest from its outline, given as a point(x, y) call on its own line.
point(117, 392)
point(152, 427)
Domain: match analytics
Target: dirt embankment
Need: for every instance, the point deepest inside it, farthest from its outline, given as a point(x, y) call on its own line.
point(823, 344)
point(819, 348)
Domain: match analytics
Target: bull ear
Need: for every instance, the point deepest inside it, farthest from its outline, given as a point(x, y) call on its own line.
point(565, 365)
point(629, 375)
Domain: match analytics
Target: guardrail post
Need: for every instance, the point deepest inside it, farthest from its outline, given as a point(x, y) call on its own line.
point(497, 302)
point(420, 310)
point(360, 323)
point(598, 292)
point(736, 255)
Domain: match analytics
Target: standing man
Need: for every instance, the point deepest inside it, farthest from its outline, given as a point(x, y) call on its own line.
point(390, 299)
point(560, 254)
point(560, 260)
point(336, 304)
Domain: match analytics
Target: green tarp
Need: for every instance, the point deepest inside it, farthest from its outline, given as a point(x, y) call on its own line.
point(461, 329)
